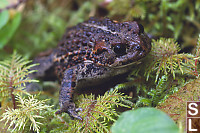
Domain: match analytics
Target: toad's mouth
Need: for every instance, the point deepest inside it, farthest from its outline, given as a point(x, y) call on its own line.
point(128, 64)
point(128, 59)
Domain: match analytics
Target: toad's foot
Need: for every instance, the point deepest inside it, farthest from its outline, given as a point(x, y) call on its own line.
point(69, 107)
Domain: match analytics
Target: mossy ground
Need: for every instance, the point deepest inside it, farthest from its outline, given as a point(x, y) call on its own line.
point(172, 68)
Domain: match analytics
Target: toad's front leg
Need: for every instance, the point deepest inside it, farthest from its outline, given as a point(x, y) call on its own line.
point(66, 93)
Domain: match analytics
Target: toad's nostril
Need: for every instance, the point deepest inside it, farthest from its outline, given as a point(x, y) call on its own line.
point(138, 47)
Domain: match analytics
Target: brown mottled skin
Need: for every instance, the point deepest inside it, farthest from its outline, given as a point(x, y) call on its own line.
point(92, 52)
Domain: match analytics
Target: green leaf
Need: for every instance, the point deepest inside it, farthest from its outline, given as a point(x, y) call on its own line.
point(9, 29)
point(144, 120)
point(4, 16)
point(3, 3)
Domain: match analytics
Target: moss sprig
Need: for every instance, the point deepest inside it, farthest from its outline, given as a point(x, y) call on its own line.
point(167, 60)
point(13, 77)
point(98, 112)
point(26, 114)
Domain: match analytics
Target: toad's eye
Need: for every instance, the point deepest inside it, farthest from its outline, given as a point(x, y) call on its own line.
point(120, 49)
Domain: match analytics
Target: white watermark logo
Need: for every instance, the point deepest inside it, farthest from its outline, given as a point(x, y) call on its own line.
point(193, 117)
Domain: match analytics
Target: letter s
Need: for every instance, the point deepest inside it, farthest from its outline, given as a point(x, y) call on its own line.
point(192, 108)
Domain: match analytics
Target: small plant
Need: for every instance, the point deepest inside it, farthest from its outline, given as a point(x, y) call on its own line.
point(13, 77)
point(167, 60)
point(97, 113)
point(26, 114)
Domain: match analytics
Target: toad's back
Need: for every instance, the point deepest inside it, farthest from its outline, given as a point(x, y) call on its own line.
point(101, 41)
